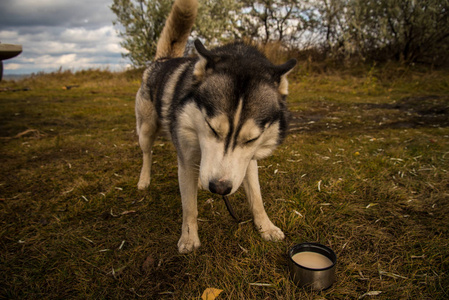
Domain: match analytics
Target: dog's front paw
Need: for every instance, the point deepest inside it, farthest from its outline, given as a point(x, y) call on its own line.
point(271, 233)
point(187, 243)
point(144, 182)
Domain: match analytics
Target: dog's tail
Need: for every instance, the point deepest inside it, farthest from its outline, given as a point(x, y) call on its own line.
point(173, 39)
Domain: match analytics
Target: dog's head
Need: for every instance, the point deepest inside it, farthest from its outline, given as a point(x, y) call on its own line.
point(238, 113)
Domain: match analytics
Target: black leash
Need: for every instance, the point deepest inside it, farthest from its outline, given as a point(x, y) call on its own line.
point(231, 211)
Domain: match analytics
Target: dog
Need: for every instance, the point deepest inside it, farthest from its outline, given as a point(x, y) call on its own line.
point(223, 110)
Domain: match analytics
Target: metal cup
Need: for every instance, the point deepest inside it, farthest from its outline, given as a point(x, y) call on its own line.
point(317, 279)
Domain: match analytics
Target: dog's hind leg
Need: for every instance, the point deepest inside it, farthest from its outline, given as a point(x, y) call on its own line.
point(251, 185)
point(147, 136)
point(147, 129)
point(188, 184)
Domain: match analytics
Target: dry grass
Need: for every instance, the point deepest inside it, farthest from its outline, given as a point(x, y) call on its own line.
point(364, 171)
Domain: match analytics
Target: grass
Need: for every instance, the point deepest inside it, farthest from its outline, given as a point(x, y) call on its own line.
point(364, 171)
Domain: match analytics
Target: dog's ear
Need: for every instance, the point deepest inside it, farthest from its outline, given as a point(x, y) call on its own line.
point(202, 51)
point(285, 68)
point(282, 71)
point(206, 62)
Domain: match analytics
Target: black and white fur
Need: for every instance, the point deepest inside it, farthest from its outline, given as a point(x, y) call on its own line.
point(223, 110)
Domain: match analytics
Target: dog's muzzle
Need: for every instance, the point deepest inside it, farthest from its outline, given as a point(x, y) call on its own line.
point(221, 187)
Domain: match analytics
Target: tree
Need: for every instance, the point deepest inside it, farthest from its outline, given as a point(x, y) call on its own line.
point(142, 22)
point(412, 31)
point(402, 30)
point(217, 20)
point(274, 20)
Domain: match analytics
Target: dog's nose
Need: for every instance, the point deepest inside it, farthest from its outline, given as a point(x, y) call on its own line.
point(221, 187)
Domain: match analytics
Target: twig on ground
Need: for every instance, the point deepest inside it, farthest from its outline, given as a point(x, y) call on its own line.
point(389, 274)
point(261, 284)
point(371, 293)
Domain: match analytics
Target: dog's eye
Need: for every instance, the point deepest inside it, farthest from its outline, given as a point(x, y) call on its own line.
point(251, 141)
point(213, 130)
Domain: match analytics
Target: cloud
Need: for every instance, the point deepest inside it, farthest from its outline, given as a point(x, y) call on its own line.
point(68, 13)
point(69, 34)
point(49, 63)
point(12, 66)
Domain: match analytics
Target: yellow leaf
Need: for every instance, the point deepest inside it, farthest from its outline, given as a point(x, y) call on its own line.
point(211, 293)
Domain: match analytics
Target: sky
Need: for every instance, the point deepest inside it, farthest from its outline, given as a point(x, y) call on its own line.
point(67, 34)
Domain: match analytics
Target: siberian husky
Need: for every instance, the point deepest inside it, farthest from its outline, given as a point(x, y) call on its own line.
point(224, 110)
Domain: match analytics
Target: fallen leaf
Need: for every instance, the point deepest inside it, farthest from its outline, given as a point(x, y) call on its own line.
point(148, 264)
point(211, 293)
